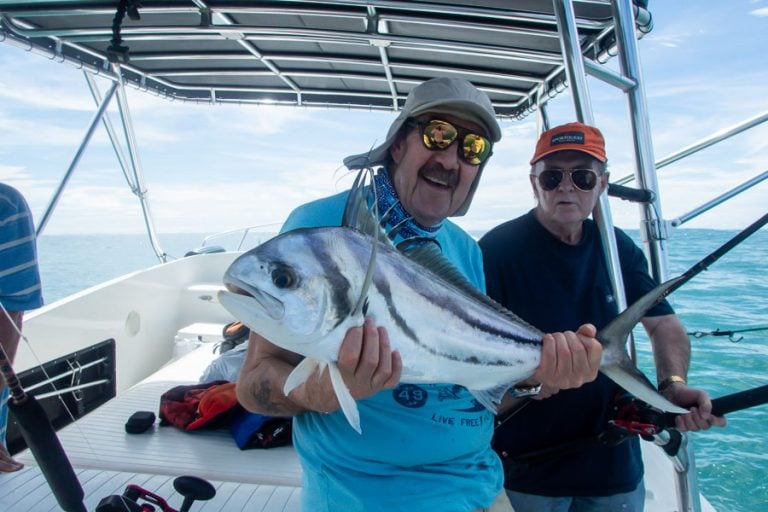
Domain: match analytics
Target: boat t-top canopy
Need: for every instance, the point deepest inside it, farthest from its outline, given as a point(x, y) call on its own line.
point(321, 53)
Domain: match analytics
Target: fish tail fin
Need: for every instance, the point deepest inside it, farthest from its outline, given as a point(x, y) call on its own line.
point(635, 382)
point(616, 363)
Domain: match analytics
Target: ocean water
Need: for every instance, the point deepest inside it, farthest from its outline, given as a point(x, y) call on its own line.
point(731, 295)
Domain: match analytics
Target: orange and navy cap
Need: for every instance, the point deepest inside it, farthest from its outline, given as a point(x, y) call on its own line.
point(571, 137)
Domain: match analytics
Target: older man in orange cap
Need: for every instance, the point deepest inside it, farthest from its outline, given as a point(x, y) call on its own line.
point(547, 266)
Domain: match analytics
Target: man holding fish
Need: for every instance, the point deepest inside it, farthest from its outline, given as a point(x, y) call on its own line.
point(548, 267)
point(421, 443)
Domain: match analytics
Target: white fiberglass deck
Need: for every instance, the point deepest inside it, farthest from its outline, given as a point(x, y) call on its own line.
point(106, 458)
point(27, 491)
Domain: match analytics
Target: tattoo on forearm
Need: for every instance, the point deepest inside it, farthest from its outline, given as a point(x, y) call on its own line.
point(263, 396)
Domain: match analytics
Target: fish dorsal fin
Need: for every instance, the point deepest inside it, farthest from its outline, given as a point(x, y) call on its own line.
point(430, 256)
point(363, 215)
point(361, 210)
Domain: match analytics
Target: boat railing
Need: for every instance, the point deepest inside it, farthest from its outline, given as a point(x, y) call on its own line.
point(735, 191)
point(241, 235)
point(700, 145)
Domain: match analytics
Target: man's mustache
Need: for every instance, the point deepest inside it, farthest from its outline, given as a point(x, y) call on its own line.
point(437, 172)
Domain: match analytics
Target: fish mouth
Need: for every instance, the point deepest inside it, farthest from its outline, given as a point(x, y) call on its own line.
point(250, 300)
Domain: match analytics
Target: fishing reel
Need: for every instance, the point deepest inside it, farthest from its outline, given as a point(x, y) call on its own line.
point(635, 417)
point(138, 499)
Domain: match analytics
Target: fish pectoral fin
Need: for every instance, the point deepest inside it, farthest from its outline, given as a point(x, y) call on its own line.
point(308, 367)
point(348, 404)
point(304, 370)
point(490, 398)
point(626, 375)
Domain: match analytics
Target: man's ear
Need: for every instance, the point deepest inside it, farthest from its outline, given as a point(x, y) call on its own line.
point(532, 179)
point(604, 181)
point(397, 149)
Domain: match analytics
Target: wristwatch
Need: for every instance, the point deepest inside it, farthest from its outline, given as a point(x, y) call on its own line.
point(523, 391)
point(672, 379)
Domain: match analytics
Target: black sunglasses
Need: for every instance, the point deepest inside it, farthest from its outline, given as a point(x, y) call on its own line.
point(583, 179)
point(437, 135)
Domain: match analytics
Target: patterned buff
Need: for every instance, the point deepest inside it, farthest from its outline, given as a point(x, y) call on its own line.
point(396, 220)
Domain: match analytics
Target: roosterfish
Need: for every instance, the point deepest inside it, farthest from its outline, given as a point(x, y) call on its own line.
point(303, 289)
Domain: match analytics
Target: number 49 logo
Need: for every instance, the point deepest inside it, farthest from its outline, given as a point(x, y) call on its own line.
point(410, 395)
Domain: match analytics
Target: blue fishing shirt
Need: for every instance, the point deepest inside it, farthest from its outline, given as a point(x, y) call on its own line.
point(20, 287)
point(424, 447)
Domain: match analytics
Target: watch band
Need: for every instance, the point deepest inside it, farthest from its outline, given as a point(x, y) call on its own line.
point(672, 379)
point(524, 391)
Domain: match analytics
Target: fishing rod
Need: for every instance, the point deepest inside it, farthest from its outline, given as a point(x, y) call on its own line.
point(633, 417)
point(637, 417)
point(715, 255)
point(735, 402)
point(45, 446)
point(730, 333)
point(657, 420)
point(42, 441)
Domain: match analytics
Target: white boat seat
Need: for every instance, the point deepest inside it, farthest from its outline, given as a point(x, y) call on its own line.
point(99, 442)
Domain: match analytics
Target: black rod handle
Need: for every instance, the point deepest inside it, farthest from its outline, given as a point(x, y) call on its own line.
point(741, 400)
point(729, 403)
point(635, 195)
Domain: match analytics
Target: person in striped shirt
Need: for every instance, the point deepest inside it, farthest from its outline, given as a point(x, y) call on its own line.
point(20, 289)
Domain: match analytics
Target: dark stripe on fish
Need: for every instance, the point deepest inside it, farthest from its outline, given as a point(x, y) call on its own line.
point(381, 283)
point(454, 307)
point(382, 286)
point(338, 283)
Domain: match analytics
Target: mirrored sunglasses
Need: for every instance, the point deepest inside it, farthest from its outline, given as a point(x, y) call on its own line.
point(437, 135)
point(583, 179)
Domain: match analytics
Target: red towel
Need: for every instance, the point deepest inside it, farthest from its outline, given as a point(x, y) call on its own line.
point(206, 405)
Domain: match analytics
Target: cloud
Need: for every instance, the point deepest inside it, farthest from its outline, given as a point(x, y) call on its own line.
point(31, 93)
point(22, 132)
point(12, 173)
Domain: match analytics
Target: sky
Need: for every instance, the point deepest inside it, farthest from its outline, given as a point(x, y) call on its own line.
point(212, 168)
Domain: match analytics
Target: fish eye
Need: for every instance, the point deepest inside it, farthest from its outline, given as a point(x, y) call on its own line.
point(283, 277)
